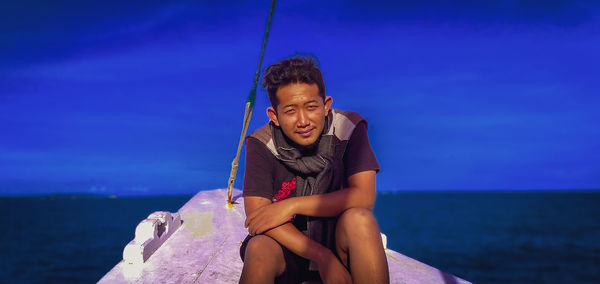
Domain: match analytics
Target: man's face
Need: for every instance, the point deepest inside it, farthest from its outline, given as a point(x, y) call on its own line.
point(301, 112)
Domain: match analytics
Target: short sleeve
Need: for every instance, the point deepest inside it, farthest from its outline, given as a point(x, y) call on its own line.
point(258, 173)
point(359, 155)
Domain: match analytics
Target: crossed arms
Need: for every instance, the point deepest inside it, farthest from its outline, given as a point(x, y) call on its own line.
point(269, 218)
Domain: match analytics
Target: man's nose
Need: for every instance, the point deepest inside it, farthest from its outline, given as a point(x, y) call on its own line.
point(303, 120)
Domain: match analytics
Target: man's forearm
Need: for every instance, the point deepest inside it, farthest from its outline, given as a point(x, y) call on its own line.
point(294, 240)
point(333, 203)
point(359, 193)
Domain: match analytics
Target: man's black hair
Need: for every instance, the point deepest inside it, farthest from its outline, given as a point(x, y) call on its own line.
point(297, 69)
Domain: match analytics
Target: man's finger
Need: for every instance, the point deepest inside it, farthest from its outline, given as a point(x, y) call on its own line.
point(249, 219)
point(261, 228)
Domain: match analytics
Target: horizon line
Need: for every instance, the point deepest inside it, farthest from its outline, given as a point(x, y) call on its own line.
point(166, 194)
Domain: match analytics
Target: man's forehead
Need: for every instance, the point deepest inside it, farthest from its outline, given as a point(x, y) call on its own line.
point(297, 92)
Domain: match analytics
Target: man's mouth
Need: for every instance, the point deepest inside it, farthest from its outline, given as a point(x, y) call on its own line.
point(306, 133)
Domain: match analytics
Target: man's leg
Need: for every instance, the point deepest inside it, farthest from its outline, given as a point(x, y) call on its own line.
point(358, 243)
point(263, 260)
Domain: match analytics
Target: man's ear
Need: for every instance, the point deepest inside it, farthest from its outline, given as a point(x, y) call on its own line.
point(328, 101)
point(272, 114)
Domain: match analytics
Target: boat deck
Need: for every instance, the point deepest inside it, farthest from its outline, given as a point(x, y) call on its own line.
point(205, 249)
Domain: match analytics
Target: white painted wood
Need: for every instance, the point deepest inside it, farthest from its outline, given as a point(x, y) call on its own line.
point(150, 234)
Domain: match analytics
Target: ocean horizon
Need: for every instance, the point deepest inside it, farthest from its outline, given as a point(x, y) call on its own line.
point(532, 236)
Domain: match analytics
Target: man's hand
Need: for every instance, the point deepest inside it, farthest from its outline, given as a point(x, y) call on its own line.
point(268, 217)
point(332, 270)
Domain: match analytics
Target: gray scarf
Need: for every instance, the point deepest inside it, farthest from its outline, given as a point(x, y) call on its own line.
point(317, 172)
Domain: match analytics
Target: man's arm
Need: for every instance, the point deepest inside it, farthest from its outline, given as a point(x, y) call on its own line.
point(287, 234)
point(294, 240)
point(360, 193)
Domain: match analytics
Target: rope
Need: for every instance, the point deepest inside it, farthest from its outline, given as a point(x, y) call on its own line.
point(249, 107)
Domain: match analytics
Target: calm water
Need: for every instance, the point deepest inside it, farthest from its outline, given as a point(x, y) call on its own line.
point(484, 237)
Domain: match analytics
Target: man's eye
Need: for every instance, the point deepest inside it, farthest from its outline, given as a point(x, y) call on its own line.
point(313, 107)
point(289, 111)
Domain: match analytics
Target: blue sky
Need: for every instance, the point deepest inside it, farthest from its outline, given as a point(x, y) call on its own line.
point(147, 97)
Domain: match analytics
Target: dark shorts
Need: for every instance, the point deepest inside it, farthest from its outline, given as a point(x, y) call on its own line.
point(296, 267)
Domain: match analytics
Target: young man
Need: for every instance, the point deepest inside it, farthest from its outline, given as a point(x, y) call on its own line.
point(309, 187)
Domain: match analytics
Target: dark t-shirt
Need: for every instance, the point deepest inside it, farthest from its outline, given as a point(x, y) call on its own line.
point(267, 177)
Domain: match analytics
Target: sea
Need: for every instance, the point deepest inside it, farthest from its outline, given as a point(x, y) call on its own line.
point(480, 236)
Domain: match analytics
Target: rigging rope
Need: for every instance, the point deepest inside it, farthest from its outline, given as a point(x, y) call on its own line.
point(249, 107)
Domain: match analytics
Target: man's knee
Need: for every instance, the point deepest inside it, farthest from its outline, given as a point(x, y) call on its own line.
point(260, 247)
point(357, 217)
point(267, 253)
point(263, 260)
point(356, 222)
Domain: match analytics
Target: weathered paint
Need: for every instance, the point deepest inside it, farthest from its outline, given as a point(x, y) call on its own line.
point(205, 249)
point(199, 223)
